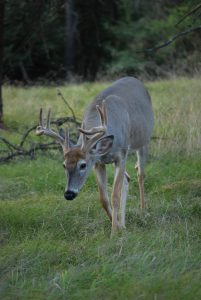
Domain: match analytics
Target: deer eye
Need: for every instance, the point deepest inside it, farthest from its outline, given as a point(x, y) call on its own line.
point(83, 166)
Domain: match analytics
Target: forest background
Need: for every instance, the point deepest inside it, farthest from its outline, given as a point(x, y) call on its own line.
point(76, 40)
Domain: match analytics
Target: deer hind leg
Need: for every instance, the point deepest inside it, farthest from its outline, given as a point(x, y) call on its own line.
point(124, 194)
point(101, 179)
point(141, 158)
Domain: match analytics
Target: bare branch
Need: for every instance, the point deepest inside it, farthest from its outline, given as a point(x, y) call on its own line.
point(19, 150)
point(171, 40)
point(58, 122)
point(9, 144)
point(59, 93)
point(30, 152)
point(25, 135)
point(192, 11)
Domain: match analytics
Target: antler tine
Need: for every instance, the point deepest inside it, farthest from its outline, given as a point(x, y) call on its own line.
point(41, 117)
point(46, 130)
point(82, 128)
point(84, 138)
point(83, 125)
point(48, 118)
point(103, 118)
point(92, 130)
point(91, 142)
point(99, 109)
point(66, 141)
point(40, 127)
point(102, 113)
point(98, 131)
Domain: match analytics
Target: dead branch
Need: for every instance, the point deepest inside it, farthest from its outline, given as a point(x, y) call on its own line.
point(59, 93)
point(192, 11)
point(9, 144)
point(58, 122)
point(171, 40)
point(30, 152)
point(25, 135)
point(14, 150)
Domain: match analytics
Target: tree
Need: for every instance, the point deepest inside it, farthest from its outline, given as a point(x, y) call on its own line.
point(70, 30)
point(1, 57)
point(91, 38)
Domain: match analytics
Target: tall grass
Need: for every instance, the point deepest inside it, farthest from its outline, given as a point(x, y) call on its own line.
point(176, 105)
point(53, 249)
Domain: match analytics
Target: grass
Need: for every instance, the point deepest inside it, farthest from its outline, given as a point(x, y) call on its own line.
point(51, 249)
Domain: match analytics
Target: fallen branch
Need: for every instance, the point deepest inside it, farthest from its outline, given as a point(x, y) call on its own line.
point(9, 144)
point(58, 122)
point(14, 150)
point(30, 152)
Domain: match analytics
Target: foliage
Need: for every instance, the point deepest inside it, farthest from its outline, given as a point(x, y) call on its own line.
point(143, 25)
point(107, 37)
point(51, 249)
point(33, 31)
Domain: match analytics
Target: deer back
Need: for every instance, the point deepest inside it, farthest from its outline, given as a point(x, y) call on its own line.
point(129, 113)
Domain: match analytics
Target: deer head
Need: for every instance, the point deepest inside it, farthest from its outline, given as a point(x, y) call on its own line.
point(80, 158)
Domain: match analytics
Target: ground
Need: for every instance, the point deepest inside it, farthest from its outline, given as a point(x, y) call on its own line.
point(54, 249)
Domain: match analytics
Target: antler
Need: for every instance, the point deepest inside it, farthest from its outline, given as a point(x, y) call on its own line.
point(98, 131)
point(43, 129)
point(103, 119)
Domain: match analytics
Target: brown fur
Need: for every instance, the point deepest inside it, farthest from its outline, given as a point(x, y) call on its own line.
point(72, 156)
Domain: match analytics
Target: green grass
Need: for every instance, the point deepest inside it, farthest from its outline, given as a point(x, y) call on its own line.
point(54, 249)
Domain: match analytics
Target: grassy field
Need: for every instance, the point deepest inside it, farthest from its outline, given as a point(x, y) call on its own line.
point(54, 249)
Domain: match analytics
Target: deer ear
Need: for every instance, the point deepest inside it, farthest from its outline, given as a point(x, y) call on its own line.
point(102, 146)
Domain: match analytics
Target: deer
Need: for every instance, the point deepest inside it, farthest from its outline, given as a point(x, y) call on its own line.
point(117, 122)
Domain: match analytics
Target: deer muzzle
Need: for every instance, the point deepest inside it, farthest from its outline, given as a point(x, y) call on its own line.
point(70, 195)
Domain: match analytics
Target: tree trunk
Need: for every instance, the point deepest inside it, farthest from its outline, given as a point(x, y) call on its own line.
point(1, 57)
point(70, 30)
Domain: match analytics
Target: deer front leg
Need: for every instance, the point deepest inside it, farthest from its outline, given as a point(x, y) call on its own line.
point(101, 179)
point(116, 195)
point(141, 157)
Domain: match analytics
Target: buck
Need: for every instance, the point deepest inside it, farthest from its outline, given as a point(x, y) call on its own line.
point(117, 121)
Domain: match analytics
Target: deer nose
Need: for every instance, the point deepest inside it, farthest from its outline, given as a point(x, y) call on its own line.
point(70, 195)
